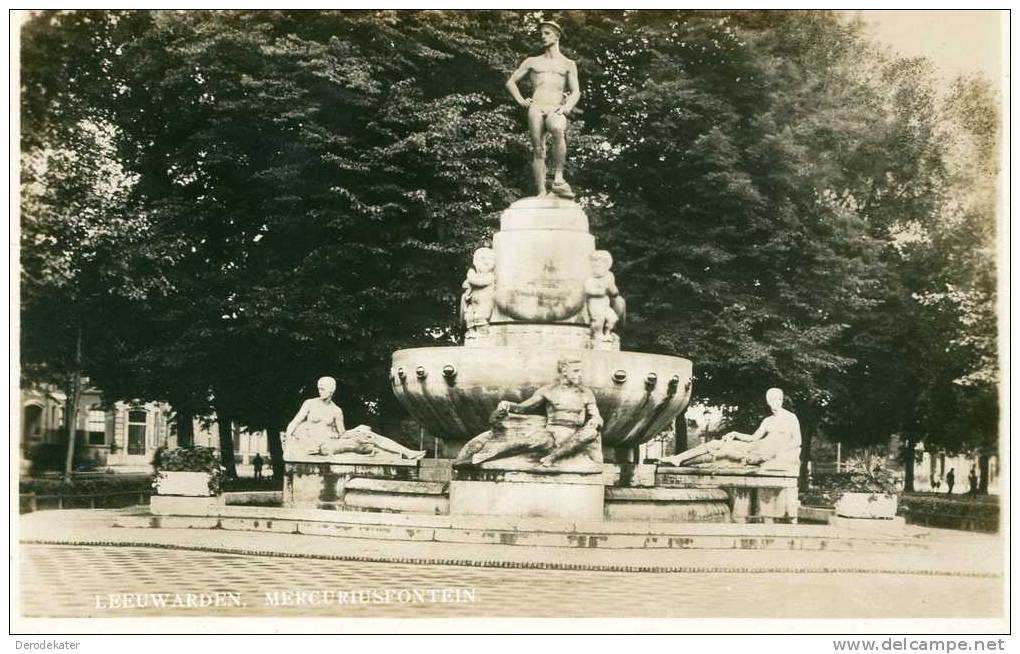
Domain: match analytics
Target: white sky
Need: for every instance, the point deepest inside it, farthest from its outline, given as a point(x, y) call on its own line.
point(963, 41)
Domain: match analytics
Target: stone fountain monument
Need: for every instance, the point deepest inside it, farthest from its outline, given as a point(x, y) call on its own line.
point(541, 302)
point(541, 296)
point(540, 411)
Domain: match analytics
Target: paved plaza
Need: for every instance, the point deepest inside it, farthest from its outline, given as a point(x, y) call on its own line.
point(72, 562)
point(72, 581)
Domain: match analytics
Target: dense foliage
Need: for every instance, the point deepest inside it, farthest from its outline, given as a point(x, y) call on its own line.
point(972, 513)
point(191, 459)
point(219, 207)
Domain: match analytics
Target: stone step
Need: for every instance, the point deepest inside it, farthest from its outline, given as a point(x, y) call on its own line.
point(535, 532)
point(385, 495)
point(665, 495)
point(396, 486)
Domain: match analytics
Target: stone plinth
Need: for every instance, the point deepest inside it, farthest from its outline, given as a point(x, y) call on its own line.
point(321, 484)
point(668, 504)
point(184, 505)
point(435, 469)
point(896, 525)
point(533, 335)
point(754, 495)
point(184, 483)
point(866, 505)
point(391, 496)
point(526, 494)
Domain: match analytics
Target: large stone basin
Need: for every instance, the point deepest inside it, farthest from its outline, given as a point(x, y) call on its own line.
point(452, 390)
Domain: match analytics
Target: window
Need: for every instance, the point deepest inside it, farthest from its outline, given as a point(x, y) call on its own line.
point(136, 432)
point(96, 427)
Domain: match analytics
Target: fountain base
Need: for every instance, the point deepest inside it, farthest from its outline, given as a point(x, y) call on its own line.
point(527, 494)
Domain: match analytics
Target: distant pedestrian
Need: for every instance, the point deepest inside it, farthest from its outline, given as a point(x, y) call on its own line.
point(950, 480)
point(936, 483)
point(973, 481)
point(258, 463)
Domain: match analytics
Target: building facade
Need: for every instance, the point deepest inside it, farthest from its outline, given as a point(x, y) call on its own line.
point(122, 436)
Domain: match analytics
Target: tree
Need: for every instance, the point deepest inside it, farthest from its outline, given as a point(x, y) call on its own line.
point(720, 170)
point(79, 234)
point(309, 186)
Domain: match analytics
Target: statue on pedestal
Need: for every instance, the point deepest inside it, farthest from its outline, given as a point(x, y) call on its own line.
point(318, 429)
point(479, 288)
point(556, 92)
point(775, 445)
point(571, 427)
point(604, 304)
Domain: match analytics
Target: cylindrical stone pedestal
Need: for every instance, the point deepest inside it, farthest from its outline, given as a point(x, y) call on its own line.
point(543, 252)
point(526, 494)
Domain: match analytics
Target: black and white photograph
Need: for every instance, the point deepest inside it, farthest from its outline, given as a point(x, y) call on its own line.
point(583, 320)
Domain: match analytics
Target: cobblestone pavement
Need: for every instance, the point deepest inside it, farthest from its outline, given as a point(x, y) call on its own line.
point(950, 552)
point(95, 581)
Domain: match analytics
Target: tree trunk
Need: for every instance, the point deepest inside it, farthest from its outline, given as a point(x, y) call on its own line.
point(983, 464)
point(276, 453)
point(908, 465)
point(72, 408)
point(185, 429)
point(225, 427)
point(680, 429)
point(807, 427)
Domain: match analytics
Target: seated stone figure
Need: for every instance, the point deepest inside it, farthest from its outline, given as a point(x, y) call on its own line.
point(775, 445)
point(318, 429)
point(571, 426)
point(509, 435)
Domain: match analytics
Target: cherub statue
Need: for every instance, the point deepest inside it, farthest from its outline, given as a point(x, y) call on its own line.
point(604, 304)
point(479, 288)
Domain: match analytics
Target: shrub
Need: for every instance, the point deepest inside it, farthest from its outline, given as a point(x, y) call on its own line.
point(101, 492)
point(91, 486)
point(971, 513)
point(248, 484)
point(827, 488)
point(192, 459)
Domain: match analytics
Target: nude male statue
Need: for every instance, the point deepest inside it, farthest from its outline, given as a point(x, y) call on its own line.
point(556, 92)
point(572, 424)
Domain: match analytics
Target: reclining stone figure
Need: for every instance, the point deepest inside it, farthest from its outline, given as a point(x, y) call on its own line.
point(775, 445)
point(318, 429)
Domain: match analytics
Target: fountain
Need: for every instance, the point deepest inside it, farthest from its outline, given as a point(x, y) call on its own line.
point(542, 261)
point(537, 297)
point(539, 411)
